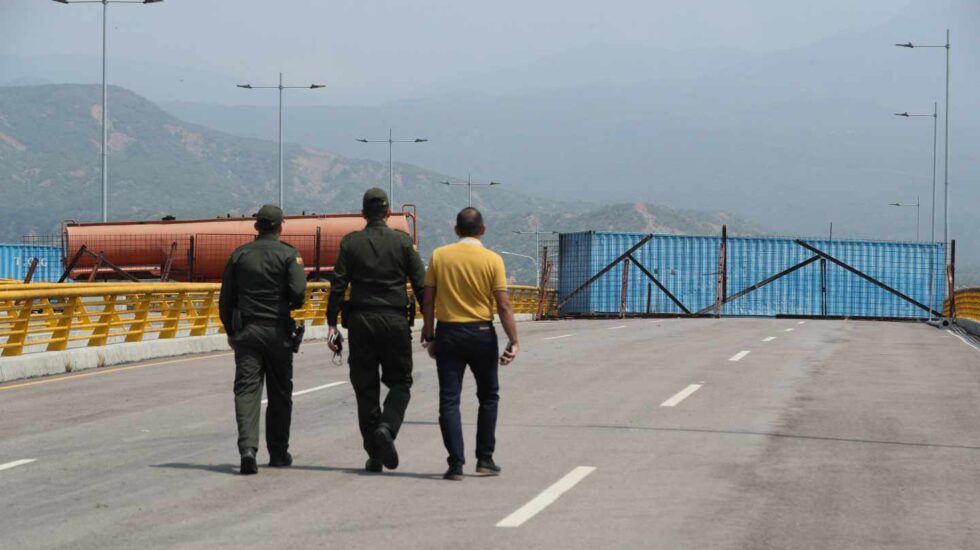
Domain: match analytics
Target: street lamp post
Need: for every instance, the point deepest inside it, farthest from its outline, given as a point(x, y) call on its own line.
point(916, 205)
point(469, 184)
point(390, 142)
point(946, 46)
point(536, 269)
point(280, 87)
point(105, 91)
point(932, 207)
point(537, 248)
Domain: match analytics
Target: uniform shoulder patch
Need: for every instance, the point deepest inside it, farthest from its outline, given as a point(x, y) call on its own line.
point(299, 260)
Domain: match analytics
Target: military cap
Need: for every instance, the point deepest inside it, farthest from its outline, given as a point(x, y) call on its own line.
point(375, 197)
point(270, 214)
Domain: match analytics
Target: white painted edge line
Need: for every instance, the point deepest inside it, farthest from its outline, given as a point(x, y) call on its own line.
point(738, 356)
point(546, 497)
point(681, 395)
point(788, 330)
point(16, 463)
point(557, 337)
point(801, 323)
point(311, 390)
point(616, 328)
point(964, 340)
point(768, 338)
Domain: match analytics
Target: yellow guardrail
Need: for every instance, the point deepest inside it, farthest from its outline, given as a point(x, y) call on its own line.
point(967, 303)
point(52, 316)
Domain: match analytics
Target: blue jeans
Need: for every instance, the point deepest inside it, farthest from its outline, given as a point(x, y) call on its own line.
point(459, 345)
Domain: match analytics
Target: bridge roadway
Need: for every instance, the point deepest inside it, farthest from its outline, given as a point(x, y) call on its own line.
point(833, 434)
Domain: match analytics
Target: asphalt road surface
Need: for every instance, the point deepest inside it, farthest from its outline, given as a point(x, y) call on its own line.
point(733, 433)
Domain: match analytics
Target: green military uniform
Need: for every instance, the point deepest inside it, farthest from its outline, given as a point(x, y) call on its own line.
point(262, 282)
point(376, 262)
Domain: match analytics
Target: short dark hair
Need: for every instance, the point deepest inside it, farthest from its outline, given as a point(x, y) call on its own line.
point(265, 226)
point(469, 221)
point(375, 211)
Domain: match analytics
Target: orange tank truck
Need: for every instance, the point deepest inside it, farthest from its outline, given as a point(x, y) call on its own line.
point(197, 250)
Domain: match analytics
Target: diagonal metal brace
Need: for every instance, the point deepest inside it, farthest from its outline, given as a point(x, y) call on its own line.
point(762, 283)
point(650, 276)
point(605, 270)
point(868, 278)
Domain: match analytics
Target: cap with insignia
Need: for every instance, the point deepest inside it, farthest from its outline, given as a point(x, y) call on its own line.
point(375, 197)
point(270, 214)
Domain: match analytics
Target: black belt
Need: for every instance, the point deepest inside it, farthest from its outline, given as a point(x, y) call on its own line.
point(467, 324)
point(400, 310)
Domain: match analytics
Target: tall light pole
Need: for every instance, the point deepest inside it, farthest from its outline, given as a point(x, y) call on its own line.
point(945, 141)
point(916, 205)
point(537, 247)
point(469, 184)
point(932, 207)
point(105, 91)
point(536, 269)
point(390, 142)
point(280, 87)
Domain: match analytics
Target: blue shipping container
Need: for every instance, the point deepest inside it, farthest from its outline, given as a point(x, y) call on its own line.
point(687, 266)
point(15, 260)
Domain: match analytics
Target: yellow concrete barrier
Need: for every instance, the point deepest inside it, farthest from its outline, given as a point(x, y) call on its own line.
point(967, 304)
point(53, 317)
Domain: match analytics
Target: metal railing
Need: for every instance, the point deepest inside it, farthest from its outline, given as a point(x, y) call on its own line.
point(967, 304)
point(55, 317)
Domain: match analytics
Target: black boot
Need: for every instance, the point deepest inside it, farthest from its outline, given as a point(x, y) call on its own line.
point(373, 465)
point(384, 442)
point(280, 460)
point(454, 473)
point(486, 467)
point(249, 465)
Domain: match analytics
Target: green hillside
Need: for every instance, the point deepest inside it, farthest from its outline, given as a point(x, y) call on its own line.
point(159, 165)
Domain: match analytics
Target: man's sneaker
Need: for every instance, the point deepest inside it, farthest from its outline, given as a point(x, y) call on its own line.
point(249, 465)
point(280, 460)
point(373, 465)
point(487, 467)
point(384, 442)
point(454, 473)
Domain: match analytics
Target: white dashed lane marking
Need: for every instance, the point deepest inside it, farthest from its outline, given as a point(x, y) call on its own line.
point(16, 463)
point(788, 330)
point(311, 390)
point(558, 337)
point(546, 497)
point(738, 356)
point(769, 339)
point(617, 328)
point(681, 395)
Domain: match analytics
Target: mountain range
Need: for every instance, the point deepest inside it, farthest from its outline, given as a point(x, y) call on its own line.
point(161, 165)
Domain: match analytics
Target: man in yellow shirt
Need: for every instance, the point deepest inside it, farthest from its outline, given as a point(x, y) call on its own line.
point(464, 285)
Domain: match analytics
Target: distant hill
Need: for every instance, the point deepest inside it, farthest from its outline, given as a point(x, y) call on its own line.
point(161, 165)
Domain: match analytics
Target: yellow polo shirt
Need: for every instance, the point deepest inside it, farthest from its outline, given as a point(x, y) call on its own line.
point(465, 276)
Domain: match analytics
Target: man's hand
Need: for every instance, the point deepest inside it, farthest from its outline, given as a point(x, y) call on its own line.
point(510, 354)
point(231, 343)
point(332, 338)
point(426, 336)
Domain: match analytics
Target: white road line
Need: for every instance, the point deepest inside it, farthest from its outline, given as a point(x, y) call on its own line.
point(617, 328)
point(681, 395)
point(557, 337)
point(738, 356)
point(311, 390)
point(801, 323)
point(16, 463)
point(546, 497)
point(769, 339)
point(788, 330)
point(964, 340)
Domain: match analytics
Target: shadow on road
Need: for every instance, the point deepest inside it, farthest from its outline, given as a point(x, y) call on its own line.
point(233, 470)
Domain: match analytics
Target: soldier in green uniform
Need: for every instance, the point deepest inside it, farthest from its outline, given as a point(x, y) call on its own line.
point(262, 282)
point(376, 262)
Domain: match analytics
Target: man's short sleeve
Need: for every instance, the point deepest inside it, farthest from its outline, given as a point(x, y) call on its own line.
point(430, 273)
point(499, 274)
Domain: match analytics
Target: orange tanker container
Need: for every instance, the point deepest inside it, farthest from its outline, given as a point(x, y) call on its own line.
point(197, 250)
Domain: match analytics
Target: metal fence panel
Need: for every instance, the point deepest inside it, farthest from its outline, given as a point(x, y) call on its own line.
point(687, 266)
point(15, 260)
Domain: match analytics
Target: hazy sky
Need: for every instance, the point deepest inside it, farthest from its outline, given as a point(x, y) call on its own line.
point(359, 47)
